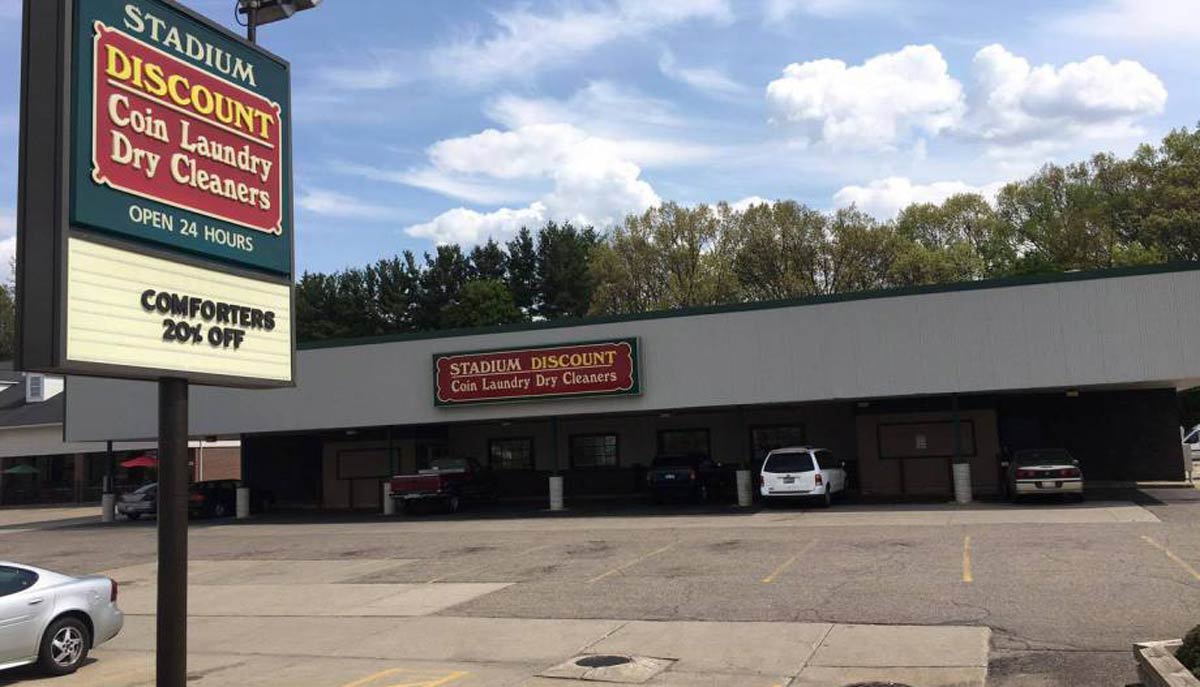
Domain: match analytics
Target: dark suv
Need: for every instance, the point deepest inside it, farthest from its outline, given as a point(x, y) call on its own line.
point(691, 476)
point(218, 499)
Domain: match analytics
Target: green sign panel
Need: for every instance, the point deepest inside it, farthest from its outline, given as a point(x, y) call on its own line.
point(180, 135)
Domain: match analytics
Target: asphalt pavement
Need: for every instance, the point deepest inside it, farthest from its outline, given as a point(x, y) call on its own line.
point(1064, 589)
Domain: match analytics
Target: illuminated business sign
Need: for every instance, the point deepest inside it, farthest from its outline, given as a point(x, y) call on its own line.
point(142, 311)
point(598, 368)
point(179, 135)
point(155, 227)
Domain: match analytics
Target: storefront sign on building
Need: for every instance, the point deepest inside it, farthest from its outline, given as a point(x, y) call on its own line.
point(159, 243)
point(603, 368)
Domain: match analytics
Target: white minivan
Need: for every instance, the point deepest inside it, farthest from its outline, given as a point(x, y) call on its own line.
point(802, 472)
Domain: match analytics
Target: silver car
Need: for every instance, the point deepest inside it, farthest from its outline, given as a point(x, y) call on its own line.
point(53, 620)
point(1044, 471)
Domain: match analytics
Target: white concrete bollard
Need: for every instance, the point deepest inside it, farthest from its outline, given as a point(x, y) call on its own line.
point(962, 482)
point(745, 493)
point(243, 503)
point(108, 507)
point(389, 504)
point(556, 492)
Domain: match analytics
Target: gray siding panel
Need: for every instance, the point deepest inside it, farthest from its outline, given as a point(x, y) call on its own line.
point(1136, 329)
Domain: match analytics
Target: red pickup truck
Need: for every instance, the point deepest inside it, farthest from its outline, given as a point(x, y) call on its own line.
point(450, 481)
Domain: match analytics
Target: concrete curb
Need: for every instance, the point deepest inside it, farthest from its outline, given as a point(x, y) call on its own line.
point(1158, 667)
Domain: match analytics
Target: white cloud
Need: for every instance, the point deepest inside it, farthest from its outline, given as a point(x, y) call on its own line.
point(884, 198)
point(1139, 20)
point(869, 106)
point(1096, 98)
point(705, 79)
point(559, 152)
point(334, 204)
point(465, 226)
point(749, 202)
point(524, 41)
point(592, 182)
point(782, 10)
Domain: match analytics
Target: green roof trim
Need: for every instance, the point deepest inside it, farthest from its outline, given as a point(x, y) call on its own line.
point(983, 284)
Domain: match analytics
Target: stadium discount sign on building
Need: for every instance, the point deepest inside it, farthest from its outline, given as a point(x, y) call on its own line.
point(599, 368)
point(155, 231)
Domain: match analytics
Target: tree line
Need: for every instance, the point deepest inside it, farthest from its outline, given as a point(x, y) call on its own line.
point(1103, 212)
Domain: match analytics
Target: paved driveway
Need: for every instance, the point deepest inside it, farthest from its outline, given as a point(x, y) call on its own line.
point(1064, 589)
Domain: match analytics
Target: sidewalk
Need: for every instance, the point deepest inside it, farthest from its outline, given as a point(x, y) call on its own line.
point(32, 516)
point(501, 652)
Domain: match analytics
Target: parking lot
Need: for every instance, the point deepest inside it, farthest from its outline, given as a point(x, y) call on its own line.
point(1058, 591)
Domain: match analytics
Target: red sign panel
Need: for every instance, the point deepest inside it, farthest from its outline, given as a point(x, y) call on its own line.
point(590, 369)
point(171, 132)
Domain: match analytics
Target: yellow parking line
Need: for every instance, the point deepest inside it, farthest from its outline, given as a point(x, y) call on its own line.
point(967, 576)
point(1170, 554)
point(632, 563)
point(432, 682)
point(788, 563)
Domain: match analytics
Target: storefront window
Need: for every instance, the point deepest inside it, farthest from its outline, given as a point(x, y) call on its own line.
point(511, 454)
point(763, 440)
point(594, 450)
point(683, 442)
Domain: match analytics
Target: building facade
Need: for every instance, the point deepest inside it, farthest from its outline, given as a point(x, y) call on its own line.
point(39, 467)
point(1091, 362)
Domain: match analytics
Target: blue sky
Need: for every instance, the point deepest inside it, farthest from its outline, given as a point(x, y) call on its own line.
point(426, 122)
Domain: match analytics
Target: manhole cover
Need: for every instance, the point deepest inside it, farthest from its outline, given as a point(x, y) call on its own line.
point(602, 661)
point(878, 684)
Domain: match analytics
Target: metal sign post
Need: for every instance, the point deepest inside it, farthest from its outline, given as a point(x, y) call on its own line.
point(171, 657)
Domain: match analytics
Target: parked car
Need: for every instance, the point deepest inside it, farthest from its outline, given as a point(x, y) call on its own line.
point(54, 620)
point(802, 472)
point(1044, 471)
point(453, 482)
point(139, 502)
point(694, 476)
point(218, 499)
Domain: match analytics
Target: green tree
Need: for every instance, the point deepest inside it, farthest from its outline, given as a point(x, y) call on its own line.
point(481, 303)
point(520, 267)
point(778, 250)
point(7, 323)
point(1165, 195)
point(564, 281)
point(488, 261)
point(626, 271)
point(439, 284)
point(858, 253)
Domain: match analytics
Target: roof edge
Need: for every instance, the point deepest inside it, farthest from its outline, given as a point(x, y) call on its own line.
point(982, 284)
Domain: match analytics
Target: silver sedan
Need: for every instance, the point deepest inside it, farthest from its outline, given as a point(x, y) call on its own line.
point(53, 620)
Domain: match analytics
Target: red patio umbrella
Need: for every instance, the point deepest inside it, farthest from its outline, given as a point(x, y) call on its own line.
point(142, 461)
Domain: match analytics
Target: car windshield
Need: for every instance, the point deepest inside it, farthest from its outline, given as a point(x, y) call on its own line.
point(146, 489)
point(792, 461)
point(673, 461)
point(1050, 456)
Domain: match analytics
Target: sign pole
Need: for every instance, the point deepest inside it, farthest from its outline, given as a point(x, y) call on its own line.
point(171, 668)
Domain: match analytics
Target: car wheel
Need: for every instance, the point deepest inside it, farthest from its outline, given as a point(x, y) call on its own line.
point(220, 511)
point(826, 499)
point(64, 646)
point(453, 504)
point(702, 492)
point(133, 516)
